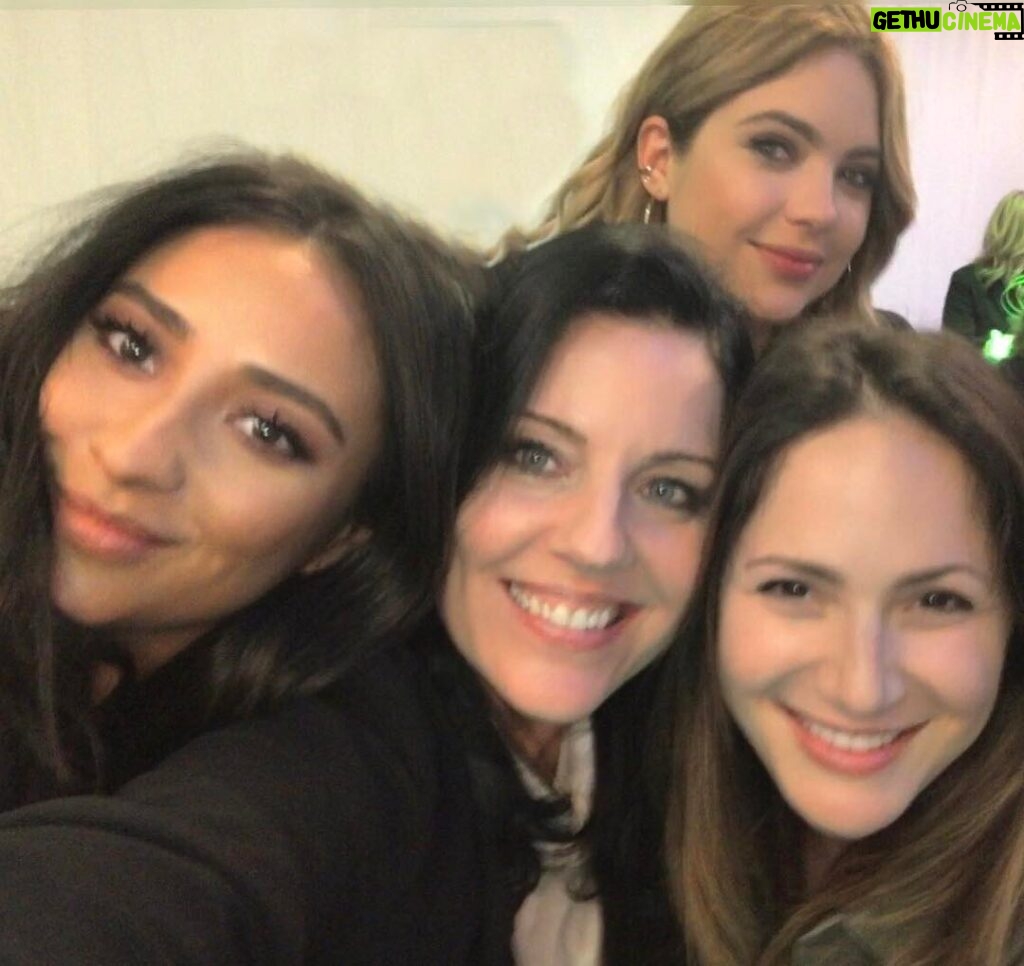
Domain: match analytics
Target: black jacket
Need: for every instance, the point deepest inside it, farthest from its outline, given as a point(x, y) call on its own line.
point(336, 831)
point(971, 308)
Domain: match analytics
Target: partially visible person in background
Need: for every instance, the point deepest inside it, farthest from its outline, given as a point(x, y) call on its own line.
point(985, 299)
point(850, 679)
point(773, 135)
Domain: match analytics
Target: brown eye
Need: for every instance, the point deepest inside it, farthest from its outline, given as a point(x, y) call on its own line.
point(945, 601)
point(123, 341)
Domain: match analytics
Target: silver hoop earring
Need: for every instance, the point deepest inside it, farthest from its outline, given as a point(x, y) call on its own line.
point(849, 268)
point(648, 208)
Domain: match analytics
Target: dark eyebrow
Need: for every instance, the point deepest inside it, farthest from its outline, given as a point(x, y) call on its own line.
point(937, 573)
point(579, 439)
point(807, 131)
point(804, 567)
point(179, 327)
point(832, 577)
point(156, 307)
point(269, 380)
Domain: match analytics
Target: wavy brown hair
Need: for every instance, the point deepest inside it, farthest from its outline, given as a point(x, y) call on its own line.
point(713, 54)
point(947, 877)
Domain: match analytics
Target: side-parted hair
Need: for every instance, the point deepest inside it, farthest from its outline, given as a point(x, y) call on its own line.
point(644, 275)
point(947, 877)
point(418, 295)
point(640, 272)
point(713, 54)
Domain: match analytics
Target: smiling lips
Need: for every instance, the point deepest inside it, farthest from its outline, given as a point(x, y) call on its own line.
point(796, 264)
point(585, 620)
point(850, 752)
point(109, 536)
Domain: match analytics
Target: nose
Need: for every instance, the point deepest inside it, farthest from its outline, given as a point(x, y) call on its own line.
point(593, 532)
point(812, 196)
point(144, 448)
point(867, 677)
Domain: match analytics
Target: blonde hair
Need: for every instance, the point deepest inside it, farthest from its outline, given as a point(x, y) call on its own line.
point(713, 54)
point(1002, 251)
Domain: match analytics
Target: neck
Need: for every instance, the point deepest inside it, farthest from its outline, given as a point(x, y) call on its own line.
point(149, 651)
point(538, 743)
point(819, 853)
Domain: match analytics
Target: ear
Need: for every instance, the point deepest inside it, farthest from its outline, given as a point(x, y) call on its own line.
point(653, 154)
point(347, 537)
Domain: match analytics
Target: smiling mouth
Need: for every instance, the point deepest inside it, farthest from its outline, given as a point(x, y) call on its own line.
point(852, 741)
point(565, 616)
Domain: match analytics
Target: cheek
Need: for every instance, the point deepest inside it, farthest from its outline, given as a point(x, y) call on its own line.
point(856, 215)
point(964, 673)
point(58, 390)
point(673, 557)
point(750, 655)
point(268, 526)
point(498, 521)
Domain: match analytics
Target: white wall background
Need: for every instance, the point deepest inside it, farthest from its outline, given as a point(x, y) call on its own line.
point(469, 116)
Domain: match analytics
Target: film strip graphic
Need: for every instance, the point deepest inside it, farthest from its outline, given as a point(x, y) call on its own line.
point(998, 7)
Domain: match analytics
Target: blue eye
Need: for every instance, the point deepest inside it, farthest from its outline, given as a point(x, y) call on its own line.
point(675, 495)
point(530, 457)
point(124, 342)
point(274, 435)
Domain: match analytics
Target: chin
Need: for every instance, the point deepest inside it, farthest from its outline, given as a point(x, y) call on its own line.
point(850, 821)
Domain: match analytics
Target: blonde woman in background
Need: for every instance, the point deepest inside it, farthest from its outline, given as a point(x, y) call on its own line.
point(775, 136)
point(988, 293)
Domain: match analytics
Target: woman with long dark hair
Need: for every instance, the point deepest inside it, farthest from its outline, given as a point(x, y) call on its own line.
point(230, 404)
point(586, 483)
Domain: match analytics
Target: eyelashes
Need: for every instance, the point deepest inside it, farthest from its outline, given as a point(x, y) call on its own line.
point(130, 346)
point(274, 435)
point(781, 152)
point(124, 342)
point(532, 458)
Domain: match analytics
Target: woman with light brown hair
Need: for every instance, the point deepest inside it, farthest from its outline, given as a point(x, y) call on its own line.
point(850, 680)
point(775, 135)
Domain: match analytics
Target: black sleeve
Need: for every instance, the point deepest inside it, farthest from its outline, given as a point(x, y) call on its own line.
point(958, 311)
point(314, 835)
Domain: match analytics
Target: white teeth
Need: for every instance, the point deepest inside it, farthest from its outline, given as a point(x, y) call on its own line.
point(562, 615)
point(847, 741)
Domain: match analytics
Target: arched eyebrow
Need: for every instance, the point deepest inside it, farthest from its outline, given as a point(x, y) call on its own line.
point(577, 438)
point(285, 387)
point(809, 132)
point(833, 577)
point(168, 317)
point(178, 326)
